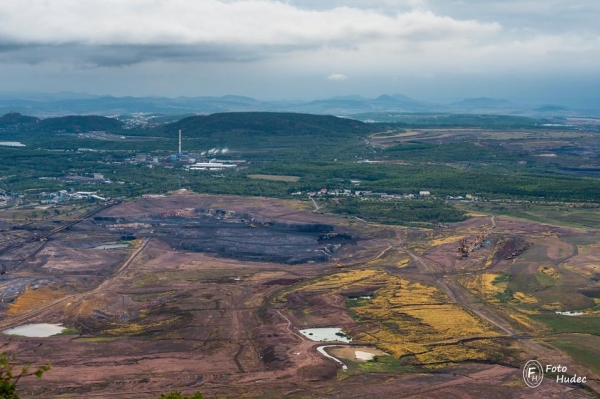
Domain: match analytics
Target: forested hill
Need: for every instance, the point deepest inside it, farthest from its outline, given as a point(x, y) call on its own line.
point(76, 124)
point(267, 124)
point(14, 119)
point(68, 124)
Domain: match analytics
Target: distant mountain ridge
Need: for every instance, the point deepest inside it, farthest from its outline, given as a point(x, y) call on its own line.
point(69, 124)
point(67, 103)
point(483, 102)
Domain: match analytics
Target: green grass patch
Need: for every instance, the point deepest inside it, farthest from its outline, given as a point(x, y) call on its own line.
point(96, 339)
point(292, 179)
point(570, 324)
point(505, 296)
point(70, 331)
point(586, 351)
point(503, 278)
point(387, 364)
point(356, 303)
point(398, 211)
point(545, 280)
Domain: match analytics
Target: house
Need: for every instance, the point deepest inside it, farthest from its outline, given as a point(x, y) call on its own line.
point(424, 193)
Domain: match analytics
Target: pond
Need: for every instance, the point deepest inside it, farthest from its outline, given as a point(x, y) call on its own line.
point(112, 246)
point(325, 334)
point(569, 313)
point(321, 350)
point(41, 330)
point(11, 144)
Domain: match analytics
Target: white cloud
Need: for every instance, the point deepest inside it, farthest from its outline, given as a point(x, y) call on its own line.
point(294, 37)
point(337, 77)
point(212, 29)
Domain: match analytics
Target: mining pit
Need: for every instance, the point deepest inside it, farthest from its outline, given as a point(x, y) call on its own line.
point(207, 296)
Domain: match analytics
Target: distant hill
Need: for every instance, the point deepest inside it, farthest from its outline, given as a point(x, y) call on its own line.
point(66, 103)
point(348, 105)
point(397, 100)
point(267, 124)
point(550, 108)
point(13, 119)
point(483, 102)
point(76, 124)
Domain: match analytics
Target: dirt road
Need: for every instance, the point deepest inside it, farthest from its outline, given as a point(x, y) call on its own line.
point(15, 321)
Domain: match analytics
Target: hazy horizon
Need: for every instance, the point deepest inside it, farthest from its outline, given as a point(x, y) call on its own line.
point(429, 50)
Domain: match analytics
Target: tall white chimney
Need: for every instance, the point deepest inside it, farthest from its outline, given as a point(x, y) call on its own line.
point(179, 142)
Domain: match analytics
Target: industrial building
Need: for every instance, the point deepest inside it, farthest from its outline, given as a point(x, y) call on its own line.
point(211, 166)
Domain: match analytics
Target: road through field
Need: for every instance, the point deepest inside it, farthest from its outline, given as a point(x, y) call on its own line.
point(463, 298)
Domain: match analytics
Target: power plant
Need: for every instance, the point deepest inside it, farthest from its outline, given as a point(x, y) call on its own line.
point(179, 152)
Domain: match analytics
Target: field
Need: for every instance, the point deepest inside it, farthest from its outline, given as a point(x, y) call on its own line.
point(292, 179)
point(411, 321)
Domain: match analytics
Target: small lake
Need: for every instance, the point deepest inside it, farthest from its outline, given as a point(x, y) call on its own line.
point(11, 144)
point(570, 313)
point(41, 330)
point(325, 334)
point(364, 297)
point(321, 350)
point(112, 246)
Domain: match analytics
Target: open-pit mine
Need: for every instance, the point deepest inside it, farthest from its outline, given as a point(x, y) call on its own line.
point(229, 295)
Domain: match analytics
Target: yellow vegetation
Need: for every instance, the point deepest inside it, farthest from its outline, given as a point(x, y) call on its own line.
point(524, 298)
point(549, 271)
point(481, 285)
point(137, 328)
point(32, 299)
point(84, 308)
point(411, 318)
point(584, 269)
point(521, 319)
point(446, 240)
point(588, 249)
point(481, 350)
point(552, 306)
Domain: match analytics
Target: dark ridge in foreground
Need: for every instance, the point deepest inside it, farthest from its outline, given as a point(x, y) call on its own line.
point(75, 124)
point(268, 123)
point(14, 119)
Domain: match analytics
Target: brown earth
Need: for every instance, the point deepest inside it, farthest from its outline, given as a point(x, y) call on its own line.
point(155, 318)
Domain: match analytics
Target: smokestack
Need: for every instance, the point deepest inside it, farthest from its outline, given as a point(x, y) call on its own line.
point(179, 142)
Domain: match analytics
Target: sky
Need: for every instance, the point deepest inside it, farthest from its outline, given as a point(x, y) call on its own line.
point(434, 50)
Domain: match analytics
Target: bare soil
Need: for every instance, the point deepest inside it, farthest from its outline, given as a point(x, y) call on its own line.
point(165, 316)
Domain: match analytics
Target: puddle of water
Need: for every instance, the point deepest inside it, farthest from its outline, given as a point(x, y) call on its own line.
point(356, 354)
point(569, 313)
point(321, 350)
point(112, 246)
point(361, 355)
point(41, 330)
point(11, 144)
point(325, 334)
point(364, 297)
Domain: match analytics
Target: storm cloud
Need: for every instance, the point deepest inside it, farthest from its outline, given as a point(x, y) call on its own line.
point(111, 32)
